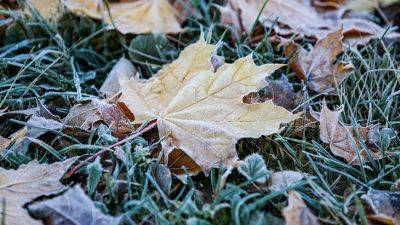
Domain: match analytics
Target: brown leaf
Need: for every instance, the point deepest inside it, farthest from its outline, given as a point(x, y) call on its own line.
point(73, 207)
point(89, 115)
point(345, 141)
point(4, 143)
point(310, 18)
point(280, 91)
point(297, 213)
point(45, 112)
point(318, 67)
point(383, 207)
point(18, 187)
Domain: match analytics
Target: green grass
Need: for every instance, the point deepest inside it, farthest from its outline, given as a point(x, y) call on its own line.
point(41, 59)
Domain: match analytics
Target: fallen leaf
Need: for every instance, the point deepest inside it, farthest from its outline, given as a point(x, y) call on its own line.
point(45, 112)
point(144, 16)
point(92, 8)
point(201, 112)
point(366, 5)
point(163, 177)
point(35, 127)
point(138, 17)
point(46, 8)
point(318, 67)
point(281, 180)
point(73, 207)
point(88, 116)
point(4, 143)
point(345, 141)
point(383, 207)
point(280, 91)
point(360, 31)
point(300, 17)
point(18, 187)
point(122, 68)
point(297, 212)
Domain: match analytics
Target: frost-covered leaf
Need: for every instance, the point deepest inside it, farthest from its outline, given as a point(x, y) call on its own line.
point(281, 180)
point(90, 115)
point(297, 212)
point(71, 208)
point(162, 176)
point(254, 168)
point(122, 68)
point(318, 67)
point(384, 206)
point(18, 187)
point(300, 17)
point(202, 112)
point(346, 141)
point(138, 17)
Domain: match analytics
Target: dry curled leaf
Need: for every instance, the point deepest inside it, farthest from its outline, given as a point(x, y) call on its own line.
point(138, 17)
point(346, 141)
point(318, 67)
point(382, 207)
point(71, 208)
point(201, 112)
point(90, 115)
point(297, 212)
point(18, 187)
point(280, 91)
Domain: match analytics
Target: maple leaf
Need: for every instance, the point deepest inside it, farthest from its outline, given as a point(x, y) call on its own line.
point(142, 16)
point(201, 112)
point(297, 213)
point(343, 140)
point(18, 187)
point(73, 207)
point(318, 67)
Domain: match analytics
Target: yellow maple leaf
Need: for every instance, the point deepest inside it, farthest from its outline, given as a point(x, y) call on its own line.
point(142, 16)
point(146, 16)
point(201, 112)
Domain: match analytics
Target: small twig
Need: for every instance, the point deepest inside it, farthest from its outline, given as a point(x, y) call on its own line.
point(100, 153)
